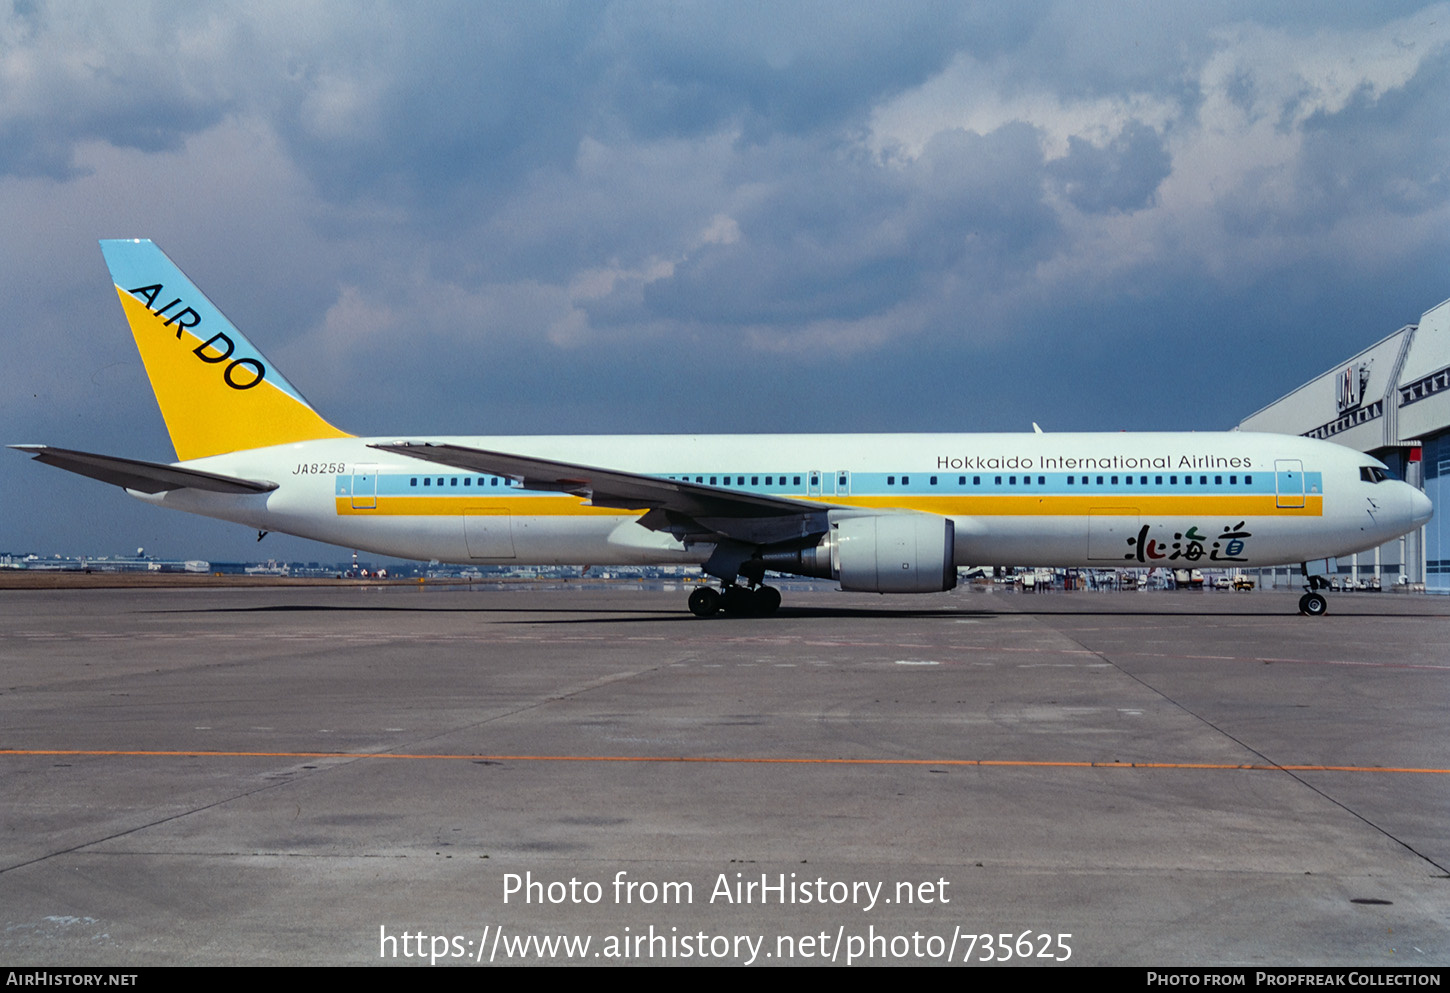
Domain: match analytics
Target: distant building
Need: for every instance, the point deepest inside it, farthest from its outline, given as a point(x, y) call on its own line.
point(139, 562)
point(1392, 401)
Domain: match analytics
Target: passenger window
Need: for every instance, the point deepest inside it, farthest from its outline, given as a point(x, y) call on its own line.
point(905, 480)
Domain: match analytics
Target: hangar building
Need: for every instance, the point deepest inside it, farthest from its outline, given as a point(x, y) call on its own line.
point(1392, 400)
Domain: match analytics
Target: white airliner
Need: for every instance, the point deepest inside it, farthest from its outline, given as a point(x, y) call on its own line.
point(885, 513)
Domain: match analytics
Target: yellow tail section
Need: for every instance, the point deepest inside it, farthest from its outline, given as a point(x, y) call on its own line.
point(217, 393)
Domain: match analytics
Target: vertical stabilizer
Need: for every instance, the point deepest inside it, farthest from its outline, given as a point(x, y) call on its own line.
point(216, 391)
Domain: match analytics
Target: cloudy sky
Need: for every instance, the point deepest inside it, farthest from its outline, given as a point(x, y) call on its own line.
point(720, 216)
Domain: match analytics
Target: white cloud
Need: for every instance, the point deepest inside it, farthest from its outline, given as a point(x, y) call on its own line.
point(974, 96)
point(1237, 197)
point(722, 230)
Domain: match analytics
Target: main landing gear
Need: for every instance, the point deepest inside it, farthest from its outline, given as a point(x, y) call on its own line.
point(1313, 603)
point(737, 601)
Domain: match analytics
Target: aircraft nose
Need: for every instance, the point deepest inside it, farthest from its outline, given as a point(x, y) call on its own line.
point(1421, 510)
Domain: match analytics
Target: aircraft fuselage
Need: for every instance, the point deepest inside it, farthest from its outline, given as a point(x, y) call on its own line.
point(1212, 500)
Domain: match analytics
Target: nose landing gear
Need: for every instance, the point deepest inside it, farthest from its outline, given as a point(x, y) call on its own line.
point(1313, 603)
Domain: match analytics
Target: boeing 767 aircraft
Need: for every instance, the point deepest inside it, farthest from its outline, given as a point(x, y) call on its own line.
point(883, 513)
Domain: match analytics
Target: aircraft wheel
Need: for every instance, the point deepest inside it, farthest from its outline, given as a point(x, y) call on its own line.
point(704, 602)
point(737, 601)
point(767, 600)
point(1313, 605)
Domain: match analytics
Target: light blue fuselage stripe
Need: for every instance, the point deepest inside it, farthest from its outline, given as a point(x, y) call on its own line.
point(874, 484)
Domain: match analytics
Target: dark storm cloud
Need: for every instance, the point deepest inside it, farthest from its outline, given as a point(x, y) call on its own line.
point(426, 102)
point(1382, 151)
point(679, 70)
point(849, 236)
point(474, 100)
point(1120, 177)
point(69, 80)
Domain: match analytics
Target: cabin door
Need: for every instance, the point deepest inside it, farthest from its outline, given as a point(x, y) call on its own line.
point(1288, 483)
point(364, 487)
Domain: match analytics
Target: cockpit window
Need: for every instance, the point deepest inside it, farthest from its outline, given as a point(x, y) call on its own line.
point(1374, 474)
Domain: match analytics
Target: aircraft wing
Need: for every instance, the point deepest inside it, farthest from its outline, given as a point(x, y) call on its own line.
point(683, 508)
point(144, 477)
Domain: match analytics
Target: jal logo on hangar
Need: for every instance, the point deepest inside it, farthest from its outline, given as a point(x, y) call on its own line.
point(1349, 391)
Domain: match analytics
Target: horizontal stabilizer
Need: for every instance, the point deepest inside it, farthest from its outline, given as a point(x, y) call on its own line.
point(144, 477)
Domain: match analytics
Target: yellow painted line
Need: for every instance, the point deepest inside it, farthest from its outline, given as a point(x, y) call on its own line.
point(723, 760)
point(1161, 506)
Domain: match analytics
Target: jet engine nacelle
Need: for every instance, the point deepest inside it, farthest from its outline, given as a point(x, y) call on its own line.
point(879, 553)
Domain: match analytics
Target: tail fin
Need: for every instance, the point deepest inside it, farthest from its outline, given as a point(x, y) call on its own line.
point(217, 393)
